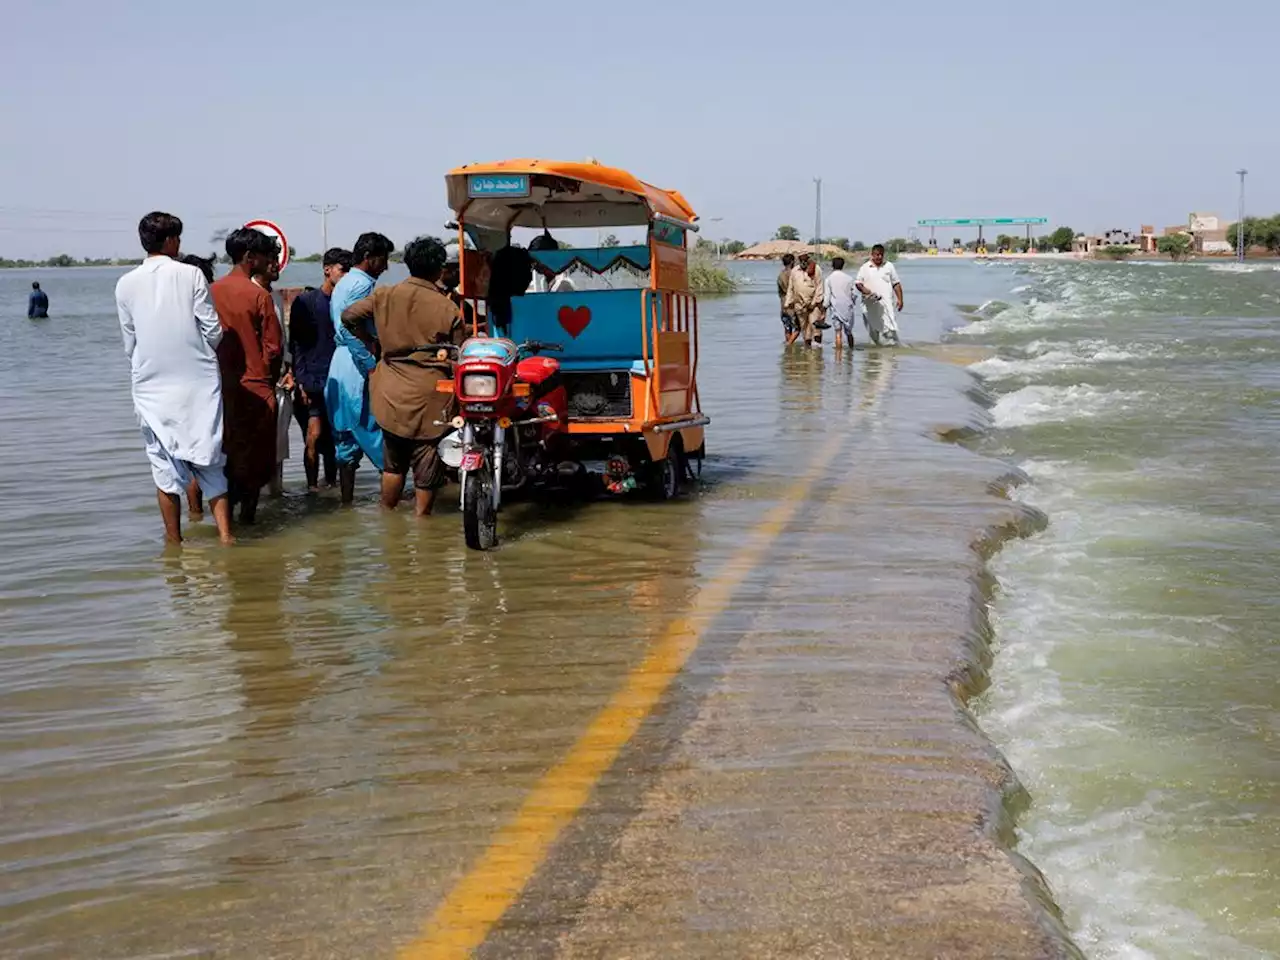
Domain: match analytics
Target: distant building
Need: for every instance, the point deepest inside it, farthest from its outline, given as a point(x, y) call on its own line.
point(1208, 233)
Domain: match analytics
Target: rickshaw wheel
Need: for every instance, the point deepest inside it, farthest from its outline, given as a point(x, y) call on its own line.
point(668, 473)
point(480, 519)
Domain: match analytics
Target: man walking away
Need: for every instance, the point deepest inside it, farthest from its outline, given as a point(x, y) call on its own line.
point(311, 345)
point(250, 358)
point(882, 297)
point(410, 317)
point(37, 303)
point(170, 333)
point(840, 296)
point(346, 392)
point(790, 328)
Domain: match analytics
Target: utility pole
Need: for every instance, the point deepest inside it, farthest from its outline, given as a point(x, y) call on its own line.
point(324, 210)
point(817, 217)
point(1240, 224)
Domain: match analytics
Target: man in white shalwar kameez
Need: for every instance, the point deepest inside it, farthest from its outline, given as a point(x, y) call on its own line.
point(170, 330)
point(881, 297)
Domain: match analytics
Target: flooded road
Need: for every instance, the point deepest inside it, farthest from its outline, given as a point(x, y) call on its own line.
point(719, 726)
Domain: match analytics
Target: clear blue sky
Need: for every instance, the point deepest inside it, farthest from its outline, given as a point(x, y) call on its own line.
point(1094, 114)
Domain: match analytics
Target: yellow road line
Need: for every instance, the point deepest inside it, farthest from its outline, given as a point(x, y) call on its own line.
point(494, 883)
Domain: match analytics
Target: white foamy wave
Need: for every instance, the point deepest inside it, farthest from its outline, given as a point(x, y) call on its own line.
point(1047, 356)
point(1241, 267)
point(1056, 620)
point(1042, 404)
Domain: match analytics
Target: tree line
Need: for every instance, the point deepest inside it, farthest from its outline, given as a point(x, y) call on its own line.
point(66, 260)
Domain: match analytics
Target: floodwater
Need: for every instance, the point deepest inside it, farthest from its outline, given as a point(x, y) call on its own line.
point(1136, 688)
point(298, 746)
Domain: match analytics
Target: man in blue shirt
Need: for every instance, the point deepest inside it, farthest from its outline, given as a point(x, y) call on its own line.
point(37, 303)
point(311, 345)
point(346, 393)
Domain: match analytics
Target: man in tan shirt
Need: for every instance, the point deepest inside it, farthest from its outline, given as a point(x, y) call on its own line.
point(411, 317)
point(804, 297)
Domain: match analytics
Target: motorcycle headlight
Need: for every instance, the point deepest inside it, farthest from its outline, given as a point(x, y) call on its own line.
point(479, 385)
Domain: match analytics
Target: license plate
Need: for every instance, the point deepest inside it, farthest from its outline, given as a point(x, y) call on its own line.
point(471, 460)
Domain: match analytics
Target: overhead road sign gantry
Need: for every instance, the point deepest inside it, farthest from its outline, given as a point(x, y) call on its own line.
point(983, 222)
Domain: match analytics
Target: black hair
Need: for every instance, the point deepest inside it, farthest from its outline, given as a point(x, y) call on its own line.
point(339, 256)
point(878, 246)
point(205, 266)
point(788, 259)
point(425, 257)
point(246, 240)
point(837, 263)
point(35, 284)
point(156, 228)
point(369, 245)
point(544, 241)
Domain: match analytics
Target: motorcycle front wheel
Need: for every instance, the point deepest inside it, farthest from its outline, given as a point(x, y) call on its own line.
point(479, 518)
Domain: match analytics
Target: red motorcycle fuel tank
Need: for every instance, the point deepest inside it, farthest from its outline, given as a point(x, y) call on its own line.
point(547, 393)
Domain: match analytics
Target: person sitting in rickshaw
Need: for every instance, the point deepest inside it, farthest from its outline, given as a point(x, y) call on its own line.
point(545, 279)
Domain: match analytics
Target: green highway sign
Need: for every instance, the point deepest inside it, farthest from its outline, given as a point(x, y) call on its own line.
point(983, 222)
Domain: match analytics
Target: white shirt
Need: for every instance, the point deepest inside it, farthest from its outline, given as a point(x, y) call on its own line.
point(838, 295)
point(170, 330)
point(561, 284)
point(880, 281)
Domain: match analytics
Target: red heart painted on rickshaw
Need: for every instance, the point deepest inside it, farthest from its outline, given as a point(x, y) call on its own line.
point(574, 320)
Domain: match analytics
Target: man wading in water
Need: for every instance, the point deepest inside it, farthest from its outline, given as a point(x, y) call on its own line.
point(170, 333)
point(250, 356)
point(311, 345)
point(409, 317)
point(790, 328)
point(881, 297)
point(346, 393)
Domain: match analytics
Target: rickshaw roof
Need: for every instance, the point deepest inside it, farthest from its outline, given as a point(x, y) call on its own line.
point(619, 199)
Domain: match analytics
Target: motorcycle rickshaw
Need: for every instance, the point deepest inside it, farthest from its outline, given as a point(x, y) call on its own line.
point(618, 400)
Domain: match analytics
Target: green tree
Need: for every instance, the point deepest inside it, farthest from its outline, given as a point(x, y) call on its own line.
point(841, 242)
point(611, 241)
point(293, 252)
point(703, 245)
point(1258, 232)
point(1061, 238)
point(1177, 246)
point(896, 245)
point(732, 247)
point(787, 232)
point(61, 260)
point(858, 246)
point(1116, 251)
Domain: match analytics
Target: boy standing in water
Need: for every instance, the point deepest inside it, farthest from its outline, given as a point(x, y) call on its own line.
point(839, 296)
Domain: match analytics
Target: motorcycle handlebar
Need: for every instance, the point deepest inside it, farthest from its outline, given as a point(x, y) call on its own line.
point(537, 346)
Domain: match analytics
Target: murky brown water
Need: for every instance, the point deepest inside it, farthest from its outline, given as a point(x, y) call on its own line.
point(294, 747)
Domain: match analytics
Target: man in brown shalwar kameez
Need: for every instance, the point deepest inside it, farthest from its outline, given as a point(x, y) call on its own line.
point(249, 357)
point(411, 316)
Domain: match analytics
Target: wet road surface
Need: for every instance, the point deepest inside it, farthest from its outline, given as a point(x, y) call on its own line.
point(721, 726)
